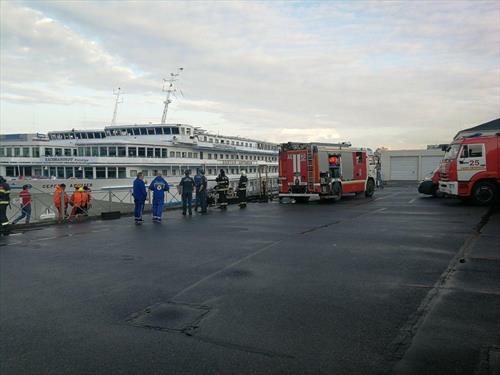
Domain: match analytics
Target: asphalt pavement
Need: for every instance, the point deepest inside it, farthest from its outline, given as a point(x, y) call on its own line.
point(398, 283)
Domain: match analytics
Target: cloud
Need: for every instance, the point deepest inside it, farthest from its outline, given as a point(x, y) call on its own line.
point(375, 72)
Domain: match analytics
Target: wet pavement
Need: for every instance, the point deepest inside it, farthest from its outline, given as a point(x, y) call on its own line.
point(399, 283)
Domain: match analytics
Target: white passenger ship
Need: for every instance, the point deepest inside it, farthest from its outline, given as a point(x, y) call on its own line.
point(114, 156)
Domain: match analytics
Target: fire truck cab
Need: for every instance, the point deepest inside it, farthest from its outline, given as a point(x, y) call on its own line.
point(471, 166)
point(324, 170)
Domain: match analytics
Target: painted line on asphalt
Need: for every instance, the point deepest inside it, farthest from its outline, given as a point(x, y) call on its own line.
point(413, 200)
point(208, 277)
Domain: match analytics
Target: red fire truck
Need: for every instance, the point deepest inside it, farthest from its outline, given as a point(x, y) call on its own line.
point(471, 166)
point(324, 170)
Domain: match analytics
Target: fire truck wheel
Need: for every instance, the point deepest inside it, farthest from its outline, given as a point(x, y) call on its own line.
point(370, 188)
point(484, 193)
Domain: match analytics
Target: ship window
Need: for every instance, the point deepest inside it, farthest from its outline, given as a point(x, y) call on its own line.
point(97, 135)
point(175, 130)
point(48, 151)
point(108, 133)
point(141, 152)
point(150, 152)
point(164, 172)
point(190, 154)
point(88, 172)
point(183, 154)
point(211, 140)
point(90, 135)
point(80, 151)
point(237, 143)
point(100, 172)
point(122, 172)
point(17, 151)
point(174, 171)
point(112, 151)
point(122, 152)
point(2, 151)
point(95, 151)
point(232, 143)
point(158, 131)
point(133, 173)
point(132, 152)
point(172, 154)
point(221, 141)
point(144, 131)
point(177, 154)
point(87, 151)
point(232, 156)
point(210, 156)
point(67, 152)
point(205, 138)
point(157, 153)
point(136, 131)
point(36, 152)
point(58, 152)
point(195, 155)
point(164, 153)
point(221, 156)
point(128, 131)
point(103, 151)
point(166, 130)
point(215, 156)
point(111, 172)
point(69, 172)
point(216, 140)
point(26, 152)
point(188, 131)
point(151, 131)
point(182, 130)
point(145, 172)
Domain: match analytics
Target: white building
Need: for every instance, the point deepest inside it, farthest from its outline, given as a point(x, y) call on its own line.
point(409, 165)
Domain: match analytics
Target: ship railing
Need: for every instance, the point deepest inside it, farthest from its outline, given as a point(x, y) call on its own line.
point(103, 200)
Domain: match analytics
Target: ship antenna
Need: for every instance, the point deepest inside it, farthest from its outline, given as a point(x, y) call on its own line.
point(117, 93)
point(169, 88)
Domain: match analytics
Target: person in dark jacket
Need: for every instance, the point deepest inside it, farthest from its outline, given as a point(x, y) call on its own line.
point(197, 185)
point(4, 203)
point(202, 194)
point(186, 187)
point(242, 190)
point(139, 193)
point(158, 186)
point(222, 188)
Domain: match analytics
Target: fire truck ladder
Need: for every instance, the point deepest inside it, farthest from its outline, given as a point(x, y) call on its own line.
point(310, 170)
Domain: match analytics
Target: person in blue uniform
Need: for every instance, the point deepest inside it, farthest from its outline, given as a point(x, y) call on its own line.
point(197, 185)
point(139, 193)
point(186, 187)
point(158, 186)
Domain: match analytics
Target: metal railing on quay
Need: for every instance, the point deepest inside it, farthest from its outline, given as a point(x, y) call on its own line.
point(107, 199)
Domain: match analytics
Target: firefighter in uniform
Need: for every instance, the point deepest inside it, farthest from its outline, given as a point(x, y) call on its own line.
point(158, 186)
point(203, 192)
point(4, 202)
point(186, 188)
point(197, 184)
point(242, 190)
point(222, 188)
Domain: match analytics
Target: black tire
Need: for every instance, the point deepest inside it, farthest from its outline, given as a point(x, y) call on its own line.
point(484, 193)
point(370, 188)
point(337, 191)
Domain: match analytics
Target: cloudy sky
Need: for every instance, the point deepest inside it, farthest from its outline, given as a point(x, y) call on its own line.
point(394, 74)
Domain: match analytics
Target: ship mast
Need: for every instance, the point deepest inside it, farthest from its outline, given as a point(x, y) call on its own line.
point(169, 88)
point(118, 101)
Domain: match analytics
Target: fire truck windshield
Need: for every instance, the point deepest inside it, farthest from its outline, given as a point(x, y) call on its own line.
point(452, 152)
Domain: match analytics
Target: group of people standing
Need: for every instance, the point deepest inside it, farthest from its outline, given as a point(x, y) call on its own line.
point(187, 186)
point(80, 200)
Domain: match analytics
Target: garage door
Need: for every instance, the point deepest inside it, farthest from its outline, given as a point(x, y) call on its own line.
point(429, 164)
point(404, 168)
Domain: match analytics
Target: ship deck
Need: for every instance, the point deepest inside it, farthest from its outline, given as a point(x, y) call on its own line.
point(357, 286)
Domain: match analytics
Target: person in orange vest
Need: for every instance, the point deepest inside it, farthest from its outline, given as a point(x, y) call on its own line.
point(78, 199)
point(88, 203)
point(61, 201)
